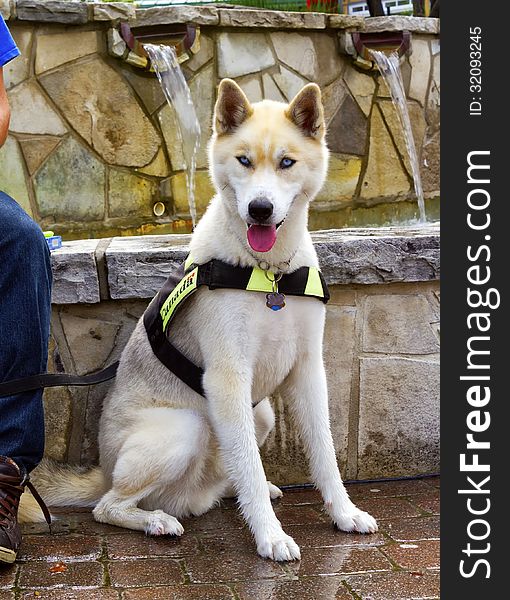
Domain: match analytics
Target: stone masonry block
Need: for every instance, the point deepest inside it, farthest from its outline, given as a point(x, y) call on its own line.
point(395, 323)
point(242, 53)
point(399, 417)
point(74, 273)
point(138, 266)
point(70, 13)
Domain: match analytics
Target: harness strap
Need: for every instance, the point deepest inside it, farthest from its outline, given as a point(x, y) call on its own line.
point(175, 361)
point(215, 274)
point(43, 380)
point(306, 281)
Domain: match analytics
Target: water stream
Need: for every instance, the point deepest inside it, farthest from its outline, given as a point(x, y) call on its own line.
point(177, 94)
point(389, 66)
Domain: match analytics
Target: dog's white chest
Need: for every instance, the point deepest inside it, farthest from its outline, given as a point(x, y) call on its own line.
point(252, 336)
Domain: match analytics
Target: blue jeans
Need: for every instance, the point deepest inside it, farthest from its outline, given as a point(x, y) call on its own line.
point(25, 307)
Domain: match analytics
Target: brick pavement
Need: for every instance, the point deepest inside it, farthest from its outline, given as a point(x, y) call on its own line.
point(216, 560)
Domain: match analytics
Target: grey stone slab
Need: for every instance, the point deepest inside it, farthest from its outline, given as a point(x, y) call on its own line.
point(242, 53)
point(384, 174)
point(362, 87)
point(339, 356)
point(271, 18)
point(204, 54)
point(164, 15)
point(26, 100)
point(138, 266)
point(130, 195)
point(145, 85)
point(348, 129)
point(377, 258)
point(398, 323)
point(398, 417)
point(346, 22)
point(113, 123)
point(91, 340)
point(288, 82)
point(51, 11)
point(74, 176)
point(419, 60)
point(55, 49)
point(400, 23)
point(75, 277)
point(312, 54)
point(36, 150)
point(113, 11)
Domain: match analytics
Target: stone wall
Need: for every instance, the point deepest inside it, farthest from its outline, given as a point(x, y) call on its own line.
point(93, 146)
point(381, 346)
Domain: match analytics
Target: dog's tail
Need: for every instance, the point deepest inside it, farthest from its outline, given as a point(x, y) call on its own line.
point(61, 485)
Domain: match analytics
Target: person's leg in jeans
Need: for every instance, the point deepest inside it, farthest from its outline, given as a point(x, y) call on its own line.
point(25, 304)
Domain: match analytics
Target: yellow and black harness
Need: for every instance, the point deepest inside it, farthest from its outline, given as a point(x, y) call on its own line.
point(180, 285)
point(215, 274)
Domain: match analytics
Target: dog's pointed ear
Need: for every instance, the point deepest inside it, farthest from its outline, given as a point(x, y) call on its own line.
point(232, 107)
point(306, 111)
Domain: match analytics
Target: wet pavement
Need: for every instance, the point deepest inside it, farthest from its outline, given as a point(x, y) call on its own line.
point(215, 558)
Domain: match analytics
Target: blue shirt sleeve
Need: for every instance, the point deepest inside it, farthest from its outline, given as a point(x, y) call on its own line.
point(8, 49)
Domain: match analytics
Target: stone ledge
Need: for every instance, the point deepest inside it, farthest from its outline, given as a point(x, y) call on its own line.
point(75, 278)
point(167, 15)
point(52, 11)
point(77, 13)
point(138, 266)
point(346, 22)
point(399, 23)
point(271, 18)
point(379, 255)
point(112, 11)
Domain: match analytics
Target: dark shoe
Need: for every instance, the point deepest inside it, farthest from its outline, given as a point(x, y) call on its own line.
point(11, 488)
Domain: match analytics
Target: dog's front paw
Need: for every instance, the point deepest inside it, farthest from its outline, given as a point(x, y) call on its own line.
point(274, 492)
point(355, 519)
point(159, 523)
point(278, 546)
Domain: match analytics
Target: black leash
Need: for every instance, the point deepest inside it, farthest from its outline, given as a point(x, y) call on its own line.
point(43, 380)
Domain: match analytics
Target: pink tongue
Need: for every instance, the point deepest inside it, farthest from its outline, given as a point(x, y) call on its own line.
point(261, 237)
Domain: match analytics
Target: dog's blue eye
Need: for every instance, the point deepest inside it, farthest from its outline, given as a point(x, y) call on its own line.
point(286, 162)
point(244, 160)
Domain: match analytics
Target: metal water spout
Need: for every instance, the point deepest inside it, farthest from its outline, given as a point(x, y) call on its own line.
point(358, 45)
point(128, 44)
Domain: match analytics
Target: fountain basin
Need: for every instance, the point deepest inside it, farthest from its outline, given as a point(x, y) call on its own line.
point(381, 345)
point(104, 150)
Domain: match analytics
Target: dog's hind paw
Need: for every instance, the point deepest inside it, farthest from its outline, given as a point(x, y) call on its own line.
point(159, 523)
point(274, 491)
point(356, 520)
point(279, 546)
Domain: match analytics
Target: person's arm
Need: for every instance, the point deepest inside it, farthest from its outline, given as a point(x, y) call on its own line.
point(5, 112)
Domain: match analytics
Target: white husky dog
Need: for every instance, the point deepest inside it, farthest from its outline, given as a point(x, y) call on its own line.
point(165, 451)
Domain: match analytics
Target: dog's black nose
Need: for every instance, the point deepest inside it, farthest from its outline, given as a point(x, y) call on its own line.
point(260, 209)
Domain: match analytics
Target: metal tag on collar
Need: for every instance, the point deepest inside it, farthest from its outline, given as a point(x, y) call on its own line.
point(275, 300)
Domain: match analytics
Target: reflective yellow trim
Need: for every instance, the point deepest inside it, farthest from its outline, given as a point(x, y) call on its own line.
point(188, 263)
point(259, 282)
point(314, 283)
point(185, 286)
